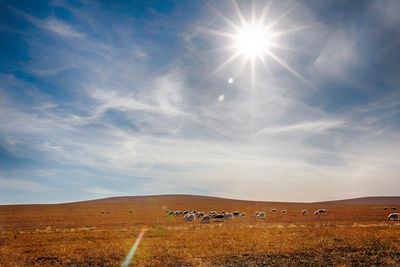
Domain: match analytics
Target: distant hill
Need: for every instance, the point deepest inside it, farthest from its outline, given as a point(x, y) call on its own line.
point(376, 200)
point(384, 200)
point(179, 199)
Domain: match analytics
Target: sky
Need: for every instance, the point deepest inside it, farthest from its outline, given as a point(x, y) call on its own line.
point(111, 98)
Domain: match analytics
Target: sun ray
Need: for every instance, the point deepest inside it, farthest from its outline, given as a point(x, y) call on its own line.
point(264, 63)
point(239, 12)
point(253, 71)
point(283, 47)
point(216, 32)
point(226, 62)
point(227, 20)
point(253, 12)
point(264, 13)
point(290, 69)
point(293, 30)
point(280, 18)
point(212, 51)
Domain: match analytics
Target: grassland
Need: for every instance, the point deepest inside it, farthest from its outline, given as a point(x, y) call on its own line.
point(353, 233)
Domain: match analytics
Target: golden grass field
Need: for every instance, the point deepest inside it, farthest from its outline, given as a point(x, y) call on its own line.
point(353, 233)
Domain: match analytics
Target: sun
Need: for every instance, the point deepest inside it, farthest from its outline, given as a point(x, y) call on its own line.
point(252, 40)
point(257, 39)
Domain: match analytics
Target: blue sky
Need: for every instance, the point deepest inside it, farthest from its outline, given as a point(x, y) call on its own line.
point(101, 99)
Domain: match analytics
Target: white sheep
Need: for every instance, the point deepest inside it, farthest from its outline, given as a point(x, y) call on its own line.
point(177, 212)
point(261, 215)
point(304, 212)
point(206, 219)
point(228, 216)
point(212, 213)
point(189, 217)
point(393, 217)
point(320, 212)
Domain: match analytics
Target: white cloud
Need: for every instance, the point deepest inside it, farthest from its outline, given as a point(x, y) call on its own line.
point(310, 127)
point(23, 185)
point(338, 55)
point(102, 191)
point(61, 28)
point(387, 11)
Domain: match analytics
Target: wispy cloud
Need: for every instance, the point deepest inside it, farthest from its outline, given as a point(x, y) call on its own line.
point(305, 127)
point(23, 185)
point(102, 191)
point(61, 28)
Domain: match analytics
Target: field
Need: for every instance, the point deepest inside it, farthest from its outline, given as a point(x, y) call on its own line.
point(101, 233)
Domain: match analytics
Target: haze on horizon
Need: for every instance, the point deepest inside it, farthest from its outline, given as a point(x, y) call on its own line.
point(102, 99)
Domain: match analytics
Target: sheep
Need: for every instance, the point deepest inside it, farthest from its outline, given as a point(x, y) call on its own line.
point(189, 217)
point(393, 217)
point(236, 213)
point(243, 214)
point(177, 212)
point(219, 217)
point(256, 213)
point(261, 215)
point(304, 212)
point(283, 211)
point(185, 212)
point(206, 219)
point(274, 210)
point(200, 214)
point(212, 213)
point(320, 212)
point(228, 216)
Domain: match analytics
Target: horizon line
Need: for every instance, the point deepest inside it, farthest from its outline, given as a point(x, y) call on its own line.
point(204, 196)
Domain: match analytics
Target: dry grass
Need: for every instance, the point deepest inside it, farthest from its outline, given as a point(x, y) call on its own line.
point(80, 234)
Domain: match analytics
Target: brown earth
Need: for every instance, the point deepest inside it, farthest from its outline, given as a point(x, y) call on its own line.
point(101, 232)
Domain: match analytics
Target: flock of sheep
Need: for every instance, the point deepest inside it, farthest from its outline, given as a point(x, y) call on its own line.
point(191, 215)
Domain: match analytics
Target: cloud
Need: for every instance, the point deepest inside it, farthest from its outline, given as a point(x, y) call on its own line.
point(338, 56)
point(61, 28)
point(102, 191)
point(51, 24)
point(305, 127)
point(387, 12)
point(23, 185)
